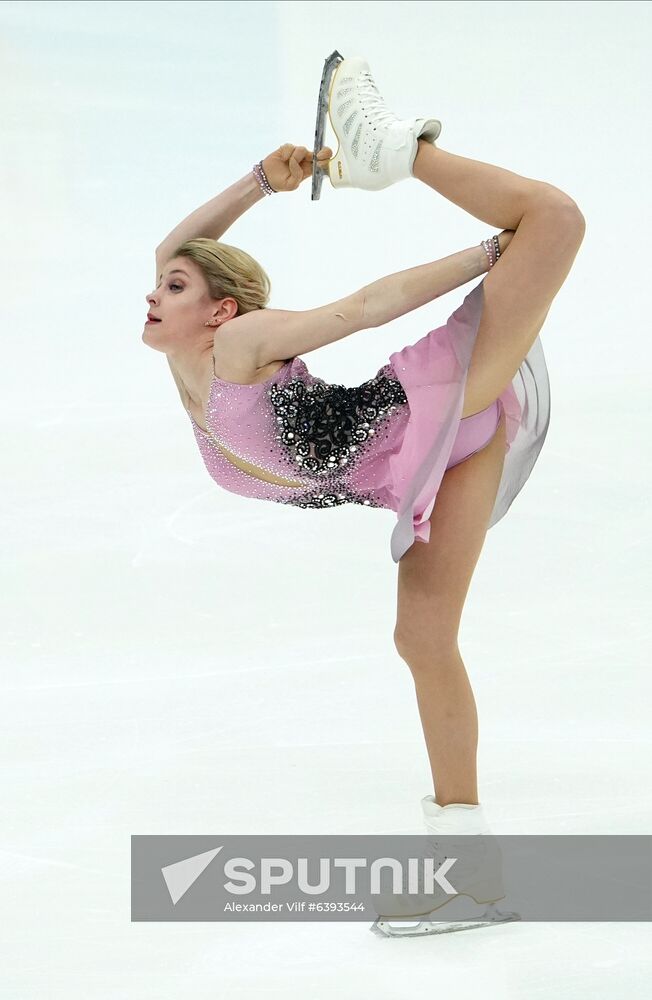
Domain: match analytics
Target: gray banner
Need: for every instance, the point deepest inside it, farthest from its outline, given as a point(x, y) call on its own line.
point(399, 877)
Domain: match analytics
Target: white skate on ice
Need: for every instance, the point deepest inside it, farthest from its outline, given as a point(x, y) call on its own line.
point(476, 875)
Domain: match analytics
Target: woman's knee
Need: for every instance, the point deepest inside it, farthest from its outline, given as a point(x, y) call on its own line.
point(562, 199)
point(424, 651)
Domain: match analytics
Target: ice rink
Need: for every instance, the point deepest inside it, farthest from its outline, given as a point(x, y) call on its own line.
point(181, 660)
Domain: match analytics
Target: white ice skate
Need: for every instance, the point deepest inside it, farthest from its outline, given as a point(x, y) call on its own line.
point(376, 148)
point(476, 875)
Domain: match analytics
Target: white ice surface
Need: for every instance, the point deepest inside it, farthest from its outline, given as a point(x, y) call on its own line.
point(177, 659)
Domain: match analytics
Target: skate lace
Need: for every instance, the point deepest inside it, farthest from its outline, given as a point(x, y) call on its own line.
point(373, 102)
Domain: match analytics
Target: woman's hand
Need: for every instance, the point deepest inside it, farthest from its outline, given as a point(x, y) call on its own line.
point(286, 168)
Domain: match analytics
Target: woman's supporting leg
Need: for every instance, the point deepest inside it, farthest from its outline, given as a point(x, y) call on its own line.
point(449, 719)
point(433, 581)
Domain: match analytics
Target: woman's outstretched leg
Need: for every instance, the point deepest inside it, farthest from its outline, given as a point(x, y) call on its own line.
point(492, 194)
point(518, 292)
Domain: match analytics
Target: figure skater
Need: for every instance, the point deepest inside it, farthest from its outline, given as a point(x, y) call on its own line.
point(445, 434)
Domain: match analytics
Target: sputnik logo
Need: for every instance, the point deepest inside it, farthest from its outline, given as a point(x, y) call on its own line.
point(182, 874)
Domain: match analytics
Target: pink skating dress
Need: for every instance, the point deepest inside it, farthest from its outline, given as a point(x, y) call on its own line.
point(386, 443)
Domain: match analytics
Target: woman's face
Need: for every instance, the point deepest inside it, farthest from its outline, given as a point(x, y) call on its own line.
point(182, 306)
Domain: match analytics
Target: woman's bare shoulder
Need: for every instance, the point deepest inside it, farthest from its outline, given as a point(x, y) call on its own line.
point(236, 355)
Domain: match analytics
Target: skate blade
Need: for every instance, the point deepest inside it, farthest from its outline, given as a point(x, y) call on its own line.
point(330, 65)
point(492, 916)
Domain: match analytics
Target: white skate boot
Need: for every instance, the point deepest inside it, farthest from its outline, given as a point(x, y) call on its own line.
point(376, 148)
point(476, 876)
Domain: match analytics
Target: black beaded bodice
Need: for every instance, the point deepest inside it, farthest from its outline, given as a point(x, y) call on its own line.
point(323, 426)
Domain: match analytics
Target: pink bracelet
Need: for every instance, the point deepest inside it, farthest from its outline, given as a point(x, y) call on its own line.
point(492, 248)
point(261, 177)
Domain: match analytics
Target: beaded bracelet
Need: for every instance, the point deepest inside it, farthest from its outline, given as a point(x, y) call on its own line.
point(492, 248)
point(261, 177)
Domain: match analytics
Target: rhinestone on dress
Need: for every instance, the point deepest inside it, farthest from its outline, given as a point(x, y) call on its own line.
point(322, 500)
point(322, 427)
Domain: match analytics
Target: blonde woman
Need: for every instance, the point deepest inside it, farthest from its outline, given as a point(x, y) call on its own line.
point(445, 434)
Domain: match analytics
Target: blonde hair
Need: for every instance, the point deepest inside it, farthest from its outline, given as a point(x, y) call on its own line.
point(230, 272)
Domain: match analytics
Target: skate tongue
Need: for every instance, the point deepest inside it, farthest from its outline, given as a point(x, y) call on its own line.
point(404, 132)
point(400, 134)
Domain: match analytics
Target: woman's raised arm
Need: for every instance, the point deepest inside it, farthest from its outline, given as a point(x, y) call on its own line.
point(286, 168)
point(214, 218)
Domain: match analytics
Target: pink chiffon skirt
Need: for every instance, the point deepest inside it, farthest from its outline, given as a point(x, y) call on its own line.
point(433, 373)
